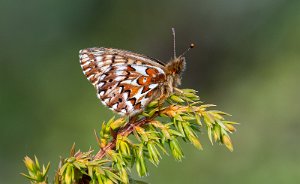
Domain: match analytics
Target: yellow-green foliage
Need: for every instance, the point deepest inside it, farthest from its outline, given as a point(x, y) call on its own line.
point(155, 132)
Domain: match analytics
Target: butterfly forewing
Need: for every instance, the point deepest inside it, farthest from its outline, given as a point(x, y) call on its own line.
point(126, 82)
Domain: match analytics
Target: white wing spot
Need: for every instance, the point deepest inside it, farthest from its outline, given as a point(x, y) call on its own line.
point(99, 58)
point(118, 64)
point(130, 61)
point(112, 89)
point(90, 77)
point(84, 59)
point(152, 86)
point(106, 100)
point(104, 68)
point(144, 101)
point(102, 77)
point(140, 69)
point(100, 84)
point(129, 105)
point(115, 106)
point(102, 93)
point(86, 63)
point(125, 96)
point(120, 60)
point(119, 78)
point(103, 102)
point(120, 72)
point(120, 67)
point(108, 56)
point(107, 62)
point(129, 82)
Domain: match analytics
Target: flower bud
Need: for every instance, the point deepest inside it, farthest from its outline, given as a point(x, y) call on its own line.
point(226, 140)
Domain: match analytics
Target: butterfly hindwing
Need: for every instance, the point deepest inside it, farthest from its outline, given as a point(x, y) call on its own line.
point(126, 82)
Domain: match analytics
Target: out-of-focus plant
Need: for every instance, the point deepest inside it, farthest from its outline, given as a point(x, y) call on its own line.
point(36, 174)
point(155, 132)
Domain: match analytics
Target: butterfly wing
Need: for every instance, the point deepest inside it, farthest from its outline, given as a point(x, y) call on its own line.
point(126, 82)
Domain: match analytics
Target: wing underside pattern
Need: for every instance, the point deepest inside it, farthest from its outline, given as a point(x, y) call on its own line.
point(125, 82)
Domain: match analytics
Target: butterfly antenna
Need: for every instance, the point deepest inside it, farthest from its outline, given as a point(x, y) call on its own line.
point(174, 42)
point(188, 49)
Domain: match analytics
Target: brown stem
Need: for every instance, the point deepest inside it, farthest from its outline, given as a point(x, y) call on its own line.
point(124, 131)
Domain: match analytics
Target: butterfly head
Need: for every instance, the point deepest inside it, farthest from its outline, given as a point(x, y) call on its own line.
point(176, 66)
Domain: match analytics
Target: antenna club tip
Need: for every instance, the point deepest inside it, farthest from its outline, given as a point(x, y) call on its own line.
point(192, 45)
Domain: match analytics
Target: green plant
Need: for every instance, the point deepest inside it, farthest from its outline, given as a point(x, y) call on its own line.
point(125, 144)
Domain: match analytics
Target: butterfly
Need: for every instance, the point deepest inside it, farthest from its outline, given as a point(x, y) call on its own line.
point(127, 82)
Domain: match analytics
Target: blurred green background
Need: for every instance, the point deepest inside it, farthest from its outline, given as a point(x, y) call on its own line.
point(246, 60)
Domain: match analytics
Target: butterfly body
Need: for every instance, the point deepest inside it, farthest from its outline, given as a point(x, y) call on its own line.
point(127, 82)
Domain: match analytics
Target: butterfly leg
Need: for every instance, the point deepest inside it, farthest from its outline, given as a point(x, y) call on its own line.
point(159, 104)
point(161, 100)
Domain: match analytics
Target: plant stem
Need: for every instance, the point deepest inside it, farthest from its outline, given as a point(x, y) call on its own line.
point(124, 131)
